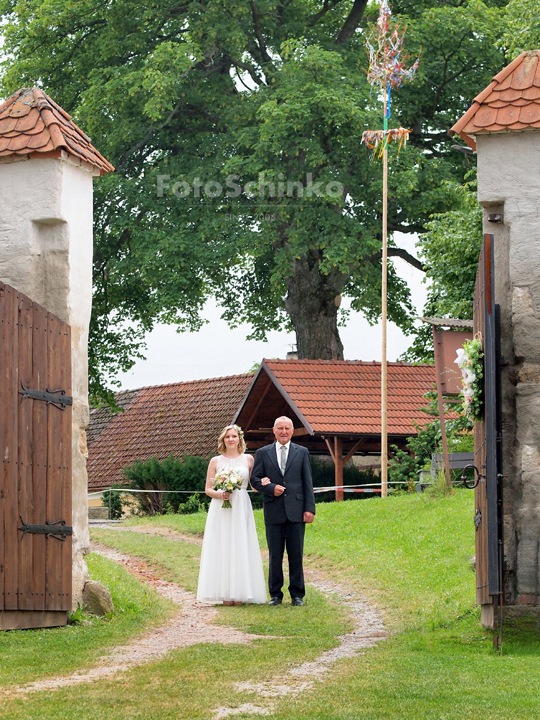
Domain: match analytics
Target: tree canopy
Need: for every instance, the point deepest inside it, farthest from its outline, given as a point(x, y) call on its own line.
point(235, 131)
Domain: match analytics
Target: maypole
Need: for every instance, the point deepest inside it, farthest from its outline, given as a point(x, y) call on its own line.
point(387, 70)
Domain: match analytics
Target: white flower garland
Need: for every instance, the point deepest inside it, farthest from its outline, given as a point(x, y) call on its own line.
point(470, 360)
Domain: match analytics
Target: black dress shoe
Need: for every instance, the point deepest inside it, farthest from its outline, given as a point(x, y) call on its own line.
point(275, 601)
point(297, 601)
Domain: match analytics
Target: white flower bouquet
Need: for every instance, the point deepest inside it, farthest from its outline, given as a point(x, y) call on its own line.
point(470, 360)
point(227, 480)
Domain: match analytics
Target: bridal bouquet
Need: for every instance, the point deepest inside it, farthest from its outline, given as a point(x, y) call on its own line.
point(227, 480)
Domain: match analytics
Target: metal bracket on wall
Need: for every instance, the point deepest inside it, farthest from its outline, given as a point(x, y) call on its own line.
point(58, 529)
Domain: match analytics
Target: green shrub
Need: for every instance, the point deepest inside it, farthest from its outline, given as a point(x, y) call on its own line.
point(192, 505)
point(114, 501)
point(172, 474)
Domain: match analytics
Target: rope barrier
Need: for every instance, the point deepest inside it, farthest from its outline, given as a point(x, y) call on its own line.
point(330, 488)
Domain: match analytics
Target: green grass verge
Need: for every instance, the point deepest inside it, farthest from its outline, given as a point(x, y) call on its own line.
point(174, 561)
point(411, 555)
point(29, 655)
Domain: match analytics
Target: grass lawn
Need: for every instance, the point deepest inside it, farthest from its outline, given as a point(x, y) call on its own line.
point(410, 554)
point(29, 655)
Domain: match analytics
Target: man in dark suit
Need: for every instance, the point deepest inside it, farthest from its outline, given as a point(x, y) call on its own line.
point(282, 473)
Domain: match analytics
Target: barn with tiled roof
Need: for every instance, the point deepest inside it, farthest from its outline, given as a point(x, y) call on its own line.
point(334, 405)
point(178, 419)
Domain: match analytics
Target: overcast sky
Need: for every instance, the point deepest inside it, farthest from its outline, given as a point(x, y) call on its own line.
point(216, 350)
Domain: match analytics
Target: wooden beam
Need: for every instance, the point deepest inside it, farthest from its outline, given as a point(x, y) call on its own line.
point(351, 452)
point(261, 398)
point(437, 344)
point(338, 462)
point(300, 431)
point(330, 450)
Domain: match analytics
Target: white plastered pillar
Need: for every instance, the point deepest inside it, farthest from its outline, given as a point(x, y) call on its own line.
point(46, 240)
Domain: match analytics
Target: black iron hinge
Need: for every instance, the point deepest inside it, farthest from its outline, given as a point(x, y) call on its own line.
point(58, 398)
point(57, 529)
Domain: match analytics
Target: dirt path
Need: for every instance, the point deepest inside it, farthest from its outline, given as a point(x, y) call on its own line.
point(166, 532)
point(368, 631)
point(194, 623)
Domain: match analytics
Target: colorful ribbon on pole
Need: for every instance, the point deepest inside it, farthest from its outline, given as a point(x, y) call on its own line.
point(377, 140)
point(387, 68)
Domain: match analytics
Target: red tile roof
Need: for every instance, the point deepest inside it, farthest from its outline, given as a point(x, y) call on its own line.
point(32, 124)
point(181, 418)
point(341, 396)
point(510, 104)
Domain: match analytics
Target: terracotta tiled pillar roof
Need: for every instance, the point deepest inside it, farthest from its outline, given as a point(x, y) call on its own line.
point(511, 103)
point(32, 124)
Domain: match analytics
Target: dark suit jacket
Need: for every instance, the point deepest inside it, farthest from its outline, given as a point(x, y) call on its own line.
point(298, 496)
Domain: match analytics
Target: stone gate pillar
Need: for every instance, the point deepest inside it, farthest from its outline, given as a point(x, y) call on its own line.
point(503, 126)
point(46, 169)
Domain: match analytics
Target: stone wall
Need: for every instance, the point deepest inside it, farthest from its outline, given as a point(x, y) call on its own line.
point(509, 185)
point(46, 219)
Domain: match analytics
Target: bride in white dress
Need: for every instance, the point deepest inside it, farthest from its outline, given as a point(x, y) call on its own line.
point(231, 567)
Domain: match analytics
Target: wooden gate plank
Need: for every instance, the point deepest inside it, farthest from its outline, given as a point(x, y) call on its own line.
point(39, 474)
point(479, 328)
point(35, 440)
point(25, 442)
point(3, 404)
point(54, 492)
point(9, 410)
point(66, 434)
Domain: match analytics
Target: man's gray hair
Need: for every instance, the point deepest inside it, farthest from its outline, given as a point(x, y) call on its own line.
point(283, 417)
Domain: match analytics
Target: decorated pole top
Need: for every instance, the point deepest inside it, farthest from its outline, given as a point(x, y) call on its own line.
point(387, 68)
point(385, 44)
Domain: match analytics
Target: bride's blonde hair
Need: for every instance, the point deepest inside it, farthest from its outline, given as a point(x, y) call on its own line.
point(221, 439)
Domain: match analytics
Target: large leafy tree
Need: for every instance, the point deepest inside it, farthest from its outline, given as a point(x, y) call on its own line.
point(235, 131)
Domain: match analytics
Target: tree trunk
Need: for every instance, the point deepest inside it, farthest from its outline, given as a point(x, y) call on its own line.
point(312, 304)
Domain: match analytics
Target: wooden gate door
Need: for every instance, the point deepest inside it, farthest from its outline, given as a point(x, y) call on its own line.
point(487, 436)
point(35, 442)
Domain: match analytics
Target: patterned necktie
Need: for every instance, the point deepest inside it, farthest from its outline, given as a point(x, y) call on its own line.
point(283, 459)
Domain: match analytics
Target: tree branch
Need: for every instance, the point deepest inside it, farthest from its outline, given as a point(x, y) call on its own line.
point(352, 22)
point(258, 34)
point(326, 8)
point(250, 69)
point(401, 253)
point(404, 255)
point(152, 131)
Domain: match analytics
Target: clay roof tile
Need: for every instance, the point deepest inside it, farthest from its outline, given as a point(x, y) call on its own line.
point(506, 115)
point(28, 122)
point(523, 75)
point(530, 113)
point(532, 93)
point(485, 116)
point(509, 95)
point(36, 124)
point(7, 125)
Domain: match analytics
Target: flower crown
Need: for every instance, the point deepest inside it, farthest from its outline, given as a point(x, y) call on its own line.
point(238, 430)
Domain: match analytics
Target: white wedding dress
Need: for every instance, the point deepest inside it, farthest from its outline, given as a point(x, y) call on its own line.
point(231, 565)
